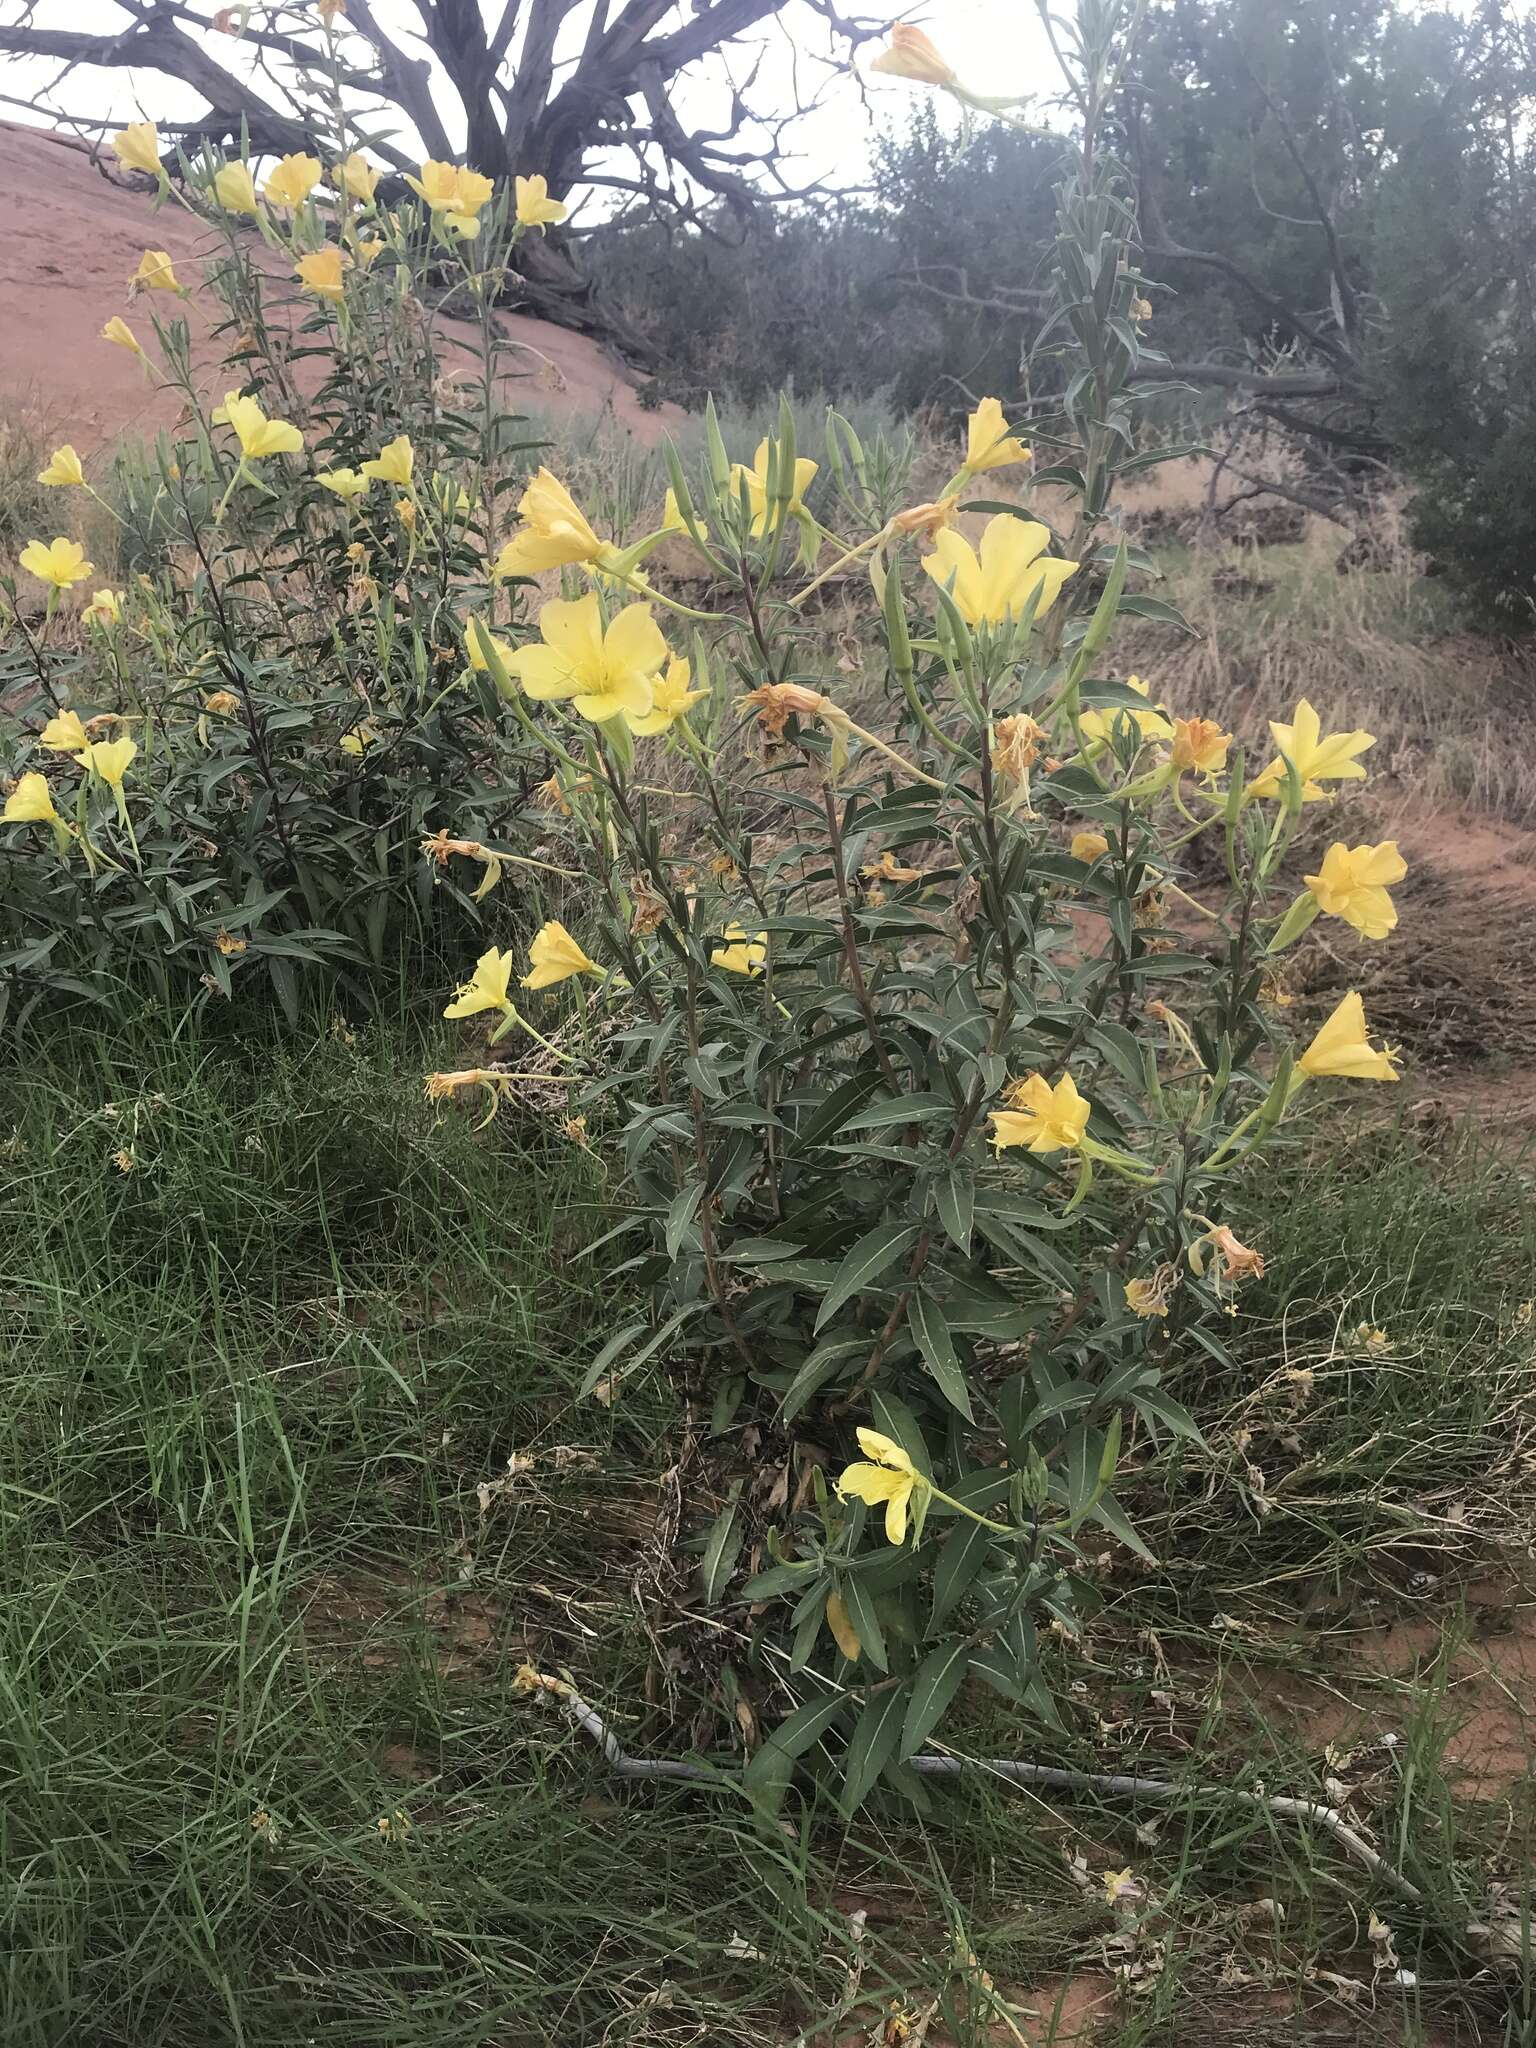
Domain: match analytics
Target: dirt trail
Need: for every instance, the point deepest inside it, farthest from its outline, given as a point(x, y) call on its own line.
point(74, 238)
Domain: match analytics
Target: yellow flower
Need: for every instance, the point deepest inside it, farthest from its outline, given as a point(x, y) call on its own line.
point(1089, 846)
point(1123, 1887)
point(63, 469)
point(773, 703)
point(844, 1634)
point(988, 444)
point(222, 703)
point(756, 482)
point(1342, 1049)
point(322, 272)
point(1317, 760)
point(913, 56)
point(104, 609)
point(393, 464)
point(60, 562)
point(672, 520)
point(603, 673)
point(1044, 1118)
point(110, 759)
point(367, 253)
point(155, 273)
point(453, 191)
point(1200, 744)
point(997, 584)
point(291, 183)
point(64, 733)
point(555, 956)
point(258, 436)
point(535, 208)
point(118, 330)
point(355, 177)
point(742, 955)
point(1370, 1337)
point(30, 803)
point(928, 519)
point(476, 638)
point(234, 188)
point(670, 699)
point(394, 1827)
point(138, 147)
point(343, 483)
point(890, 1476)
point(553, 533)
point(1353, 885)
point(486, 988)
point(357, 741)
point(1151, 724)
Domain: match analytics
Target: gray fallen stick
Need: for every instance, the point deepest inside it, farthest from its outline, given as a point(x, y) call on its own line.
point(1115, 1785)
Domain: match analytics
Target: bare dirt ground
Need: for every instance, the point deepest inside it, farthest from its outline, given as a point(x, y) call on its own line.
point(73, 239)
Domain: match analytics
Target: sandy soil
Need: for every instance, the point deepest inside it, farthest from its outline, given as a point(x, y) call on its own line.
point(73, 239)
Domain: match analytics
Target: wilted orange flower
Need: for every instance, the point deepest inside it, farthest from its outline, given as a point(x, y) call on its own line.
point(913, 56)
point(773, 703)
point(927, 519)
point(1016, 747)
point(888, 869)
point(1200, 744)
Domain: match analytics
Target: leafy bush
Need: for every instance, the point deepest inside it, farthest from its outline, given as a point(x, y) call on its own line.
point(925, 1105)
point(275, 709)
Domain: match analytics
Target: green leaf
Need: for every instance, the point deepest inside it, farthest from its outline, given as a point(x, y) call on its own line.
point(961, 1557)
point(872, 1745)
point(866, 1261)
point(937, 1681)
point(720, 1552)
point(866, 1622)
point(893, 1418)
point(1108, 1511)
point(769, 1770)
point(938, 1349)
point(680, 1215)
point(955, 1200)
point(816, 1371)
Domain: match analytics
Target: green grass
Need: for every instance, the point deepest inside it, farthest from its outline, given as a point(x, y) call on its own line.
point(252, 1387)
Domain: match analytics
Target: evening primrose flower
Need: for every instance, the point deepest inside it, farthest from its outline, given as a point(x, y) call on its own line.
point(912, 55)
point(755, 480)
point(1088, 847)
point(988, 444)
point(1043, 1118)
point(64, 733)
point(554, 532)
point(117, 330)
point(394, 463)
point(603, 673)
point(997, 584)
point(742, 955)
point(889, 1476)
point(234, 188)
point(343, 483)
point(1200, 744)
point(476, 639)
point(156, 273)
point(110, 759)
point(258, 436)
point(292, 181)
point(60, 562)
point(554, 956)
point(486, 988)
point(355, 178)
point(323, 272)
point(1342, 1049)
point(453, 192)
point(670, 699)
point(138, 147)
point(533, 205)
point(30, 803)
point(773, 703)
point(1151, 724)
point(1353, 885)
point(64, 469)
point(104, 609)
point(1316, 759)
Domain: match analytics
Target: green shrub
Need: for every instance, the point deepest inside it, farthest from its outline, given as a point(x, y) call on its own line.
point(925, 1115)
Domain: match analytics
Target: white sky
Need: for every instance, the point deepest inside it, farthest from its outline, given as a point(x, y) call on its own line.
point(997, 46)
